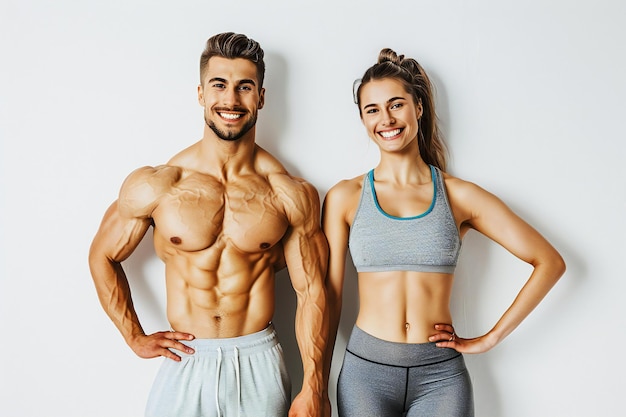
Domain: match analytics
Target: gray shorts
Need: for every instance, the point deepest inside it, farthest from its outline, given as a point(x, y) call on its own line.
point(379, 378)
point(242, 376)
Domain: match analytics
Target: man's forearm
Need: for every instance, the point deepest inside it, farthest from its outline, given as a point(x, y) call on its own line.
point(114, 295)
point(312, 333)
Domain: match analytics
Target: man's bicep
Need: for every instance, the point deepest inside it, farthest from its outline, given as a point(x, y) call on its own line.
point(306, 255)
point(305, 246)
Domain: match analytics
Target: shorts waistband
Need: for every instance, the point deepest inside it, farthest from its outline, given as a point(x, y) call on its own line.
point(242, 345)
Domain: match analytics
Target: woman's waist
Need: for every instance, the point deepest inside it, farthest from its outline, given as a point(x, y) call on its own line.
point(374, 349)
point(402, 326)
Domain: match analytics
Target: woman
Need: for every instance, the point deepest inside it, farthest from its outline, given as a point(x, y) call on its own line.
point(404, 222)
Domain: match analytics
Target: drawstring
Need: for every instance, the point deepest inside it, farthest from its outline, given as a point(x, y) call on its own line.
point(238, 381)
point(217, 381)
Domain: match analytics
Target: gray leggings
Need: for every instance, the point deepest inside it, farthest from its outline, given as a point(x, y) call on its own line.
point(387, 379)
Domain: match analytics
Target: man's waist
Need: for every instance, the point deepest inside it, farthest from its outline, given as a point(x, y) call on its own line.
point(247, 344)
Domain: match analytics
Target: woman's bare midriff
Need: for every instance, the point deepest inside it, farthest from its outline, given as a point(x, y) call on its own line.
point(403, 306)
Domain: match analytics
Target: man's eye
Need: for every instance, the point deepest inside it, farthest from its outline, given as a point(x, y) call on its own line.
point(396, 106)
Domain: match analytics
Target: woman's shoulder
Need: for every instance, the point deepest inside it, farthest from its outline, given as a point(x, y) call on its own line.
point(469, 199)
point(343, 198)
point(346, 188)
point(460, 188)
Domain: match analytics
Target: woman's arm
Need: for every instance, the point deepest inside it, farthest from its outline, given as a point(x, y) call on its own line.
point(480, 210)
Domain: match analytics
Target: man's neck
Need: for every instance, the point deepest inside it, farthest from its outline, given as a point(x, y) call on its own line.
point(227, 158)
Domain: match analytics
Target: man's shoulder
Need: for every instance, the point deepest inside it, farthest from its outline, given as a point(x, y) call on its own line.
point(291, 186)
point(187, 157)
point(298, 198)
point(143, 187)
point(277, 175)
point(267, 164)
point(153, 175)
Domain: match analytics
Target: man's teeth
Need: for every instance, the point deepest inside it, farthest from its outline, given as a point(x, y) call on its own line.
point(390, 133)
point(230, 116)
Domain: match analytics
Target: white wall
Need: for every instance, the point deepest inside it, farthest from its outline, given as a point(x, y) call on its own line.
point(531, 97)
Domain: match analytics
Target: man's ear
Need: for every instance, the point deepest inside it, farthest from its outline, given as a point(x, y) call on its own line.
point(261, 99)
point(200, 95)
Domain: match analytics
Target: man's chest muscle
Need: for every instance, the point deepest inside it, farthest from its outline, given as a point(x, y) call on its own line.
point(194, 216)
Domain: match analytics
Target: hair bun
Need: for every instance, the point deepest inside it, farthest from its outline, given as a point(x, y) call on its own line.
point(389, 55)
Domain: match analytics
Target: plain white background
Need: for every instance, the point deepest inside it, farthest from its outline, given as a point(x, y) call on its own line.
point(531, 100)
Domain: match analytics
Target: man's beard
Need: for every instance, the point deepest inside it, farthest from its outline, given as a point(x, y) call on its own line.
point(231, 136)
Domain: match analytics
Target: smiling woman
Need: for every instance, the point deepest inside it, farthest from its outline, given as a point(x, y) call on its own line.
point(403, 222)
point(390, 115)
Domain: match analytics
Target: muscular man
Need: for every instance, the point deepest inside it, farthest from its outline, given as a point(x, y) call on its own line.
point(226, 216)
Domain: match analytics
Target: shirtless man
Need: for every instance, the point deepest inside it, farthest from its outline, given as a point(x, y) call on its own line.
point(226, 216)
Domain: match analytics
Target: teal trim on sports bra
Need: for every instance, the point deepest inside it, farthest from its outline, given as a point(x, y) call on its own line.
point(432, 203)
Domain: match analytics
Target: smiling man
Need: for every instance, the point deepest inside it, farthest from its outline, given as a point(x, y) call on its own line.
point(226, 216)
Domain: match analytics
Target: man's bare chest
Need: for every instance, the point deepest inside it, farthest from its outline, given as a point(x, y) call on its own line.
point(198, 213)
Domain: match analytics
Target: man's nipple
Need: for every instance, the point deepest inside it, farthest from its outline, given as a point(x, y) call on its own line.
point(264, 245)
point(176, 240)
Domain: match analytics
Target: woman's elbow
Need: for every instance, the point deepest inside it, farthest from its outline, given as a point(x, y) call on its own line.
point(556, 265)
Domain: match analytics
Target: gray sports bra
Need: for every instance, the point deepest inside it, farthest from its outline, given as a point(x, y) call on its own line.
point(429, 242)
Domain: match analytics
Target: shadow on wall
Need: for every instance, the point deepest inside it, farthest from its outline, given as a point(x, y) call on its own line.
point(467, 294)
point(349, 308)
point(472, 283)
point(146, 277)
point(284, 319)
point(274, 116)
